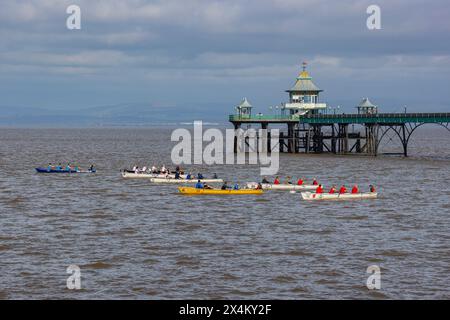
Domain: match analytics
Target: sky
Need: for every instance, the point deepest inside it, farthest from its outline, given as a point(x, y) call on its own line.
point(182, 53)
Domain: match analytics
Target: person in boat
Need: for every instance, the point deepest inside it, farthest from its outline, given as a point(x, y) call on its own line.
point(215, 176)
point(59, 167)
point(224, 186)
point(315, 183)
point(199, 185)
point(300, 181)
point(332, 190)
point(144, 169)
point(258, 186)
point(154, 169)
point(92, 168)
point(355, 189)
point(163, 169)
point(319, 189)
point(188, 176)
point(206, 186)
point(288, 180)
point(136, 170)
point(236, 186)
point(372, 189)
point(276, 181)
point(264, 180)
point(49, 167)
point(200, 176)
point(68, 168)
point(177, 174)
point(342, 190)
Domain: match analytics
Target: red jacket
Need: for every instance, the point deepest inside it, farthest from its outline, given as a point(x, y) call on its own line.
point(319, 189)
point(299, 182)
point(342, 190)
point(355, 189)
point(276, 181)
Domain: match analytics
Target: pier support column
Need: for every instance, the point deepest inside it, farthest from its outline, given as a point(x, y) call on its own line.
point(236, 127)
point(343, 138)
point(404, 141)
point(290, 137)
point(372, 139)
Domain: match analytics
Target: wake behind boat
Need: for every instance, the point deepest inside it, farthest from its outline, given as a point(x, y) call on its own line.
point(337, 196)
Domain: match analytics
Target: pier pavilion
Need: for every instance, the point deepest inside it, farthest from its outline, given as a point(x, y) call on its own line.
point(311, 130)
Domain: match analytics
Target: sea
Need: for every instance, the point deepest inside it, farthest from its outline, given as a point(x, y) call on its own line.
point(131, 239)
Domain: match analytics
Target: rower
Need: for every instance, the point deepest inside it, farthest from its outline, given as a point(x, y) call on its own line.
point(315, 183)
point(300, 181)
point(215, 176)
point(342, 190)
point(236, 186)
point(163, 169)
point(332, 190)
point(288, 180)
point(92, 168)
point(49, 168)
point(136, 170)
point(355, 189)
point(264, 180)
point(59, 167)
point(276, 181)
point(372, 189)
point(68, 167)
point(319, 189)
point(189, 176)
point(258, 186)
point(199, 176)
point(177, 174)
point(154, 169)
point(224, 186)
point(199, 185)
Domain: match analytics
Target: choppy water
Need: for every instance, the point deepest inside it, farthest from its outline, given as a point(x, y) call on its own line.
point(136, 240)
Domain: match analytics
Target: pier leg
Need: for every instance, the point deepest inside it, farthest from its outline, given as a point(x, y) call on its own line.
point(290, 138)
point(405, 141)
point(236, 127)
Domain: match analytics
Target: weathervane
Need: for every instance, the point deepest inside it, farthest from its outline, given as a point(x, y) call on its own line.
point(304, 65)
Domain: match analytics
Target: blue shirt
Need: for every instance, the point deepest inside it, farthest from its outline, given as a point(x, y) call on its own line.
point(199, 185)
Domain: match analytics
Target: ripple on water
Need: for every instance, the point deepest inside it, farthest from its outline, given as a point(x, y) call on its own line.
point(97, 265)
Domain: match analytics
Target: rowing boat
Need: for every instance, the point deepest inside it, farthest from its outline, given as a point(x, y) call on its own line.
point(46, 170)
point(269, 186)
point(195, 191)
point(134, 175)
point(336, 196)
point(173, 180)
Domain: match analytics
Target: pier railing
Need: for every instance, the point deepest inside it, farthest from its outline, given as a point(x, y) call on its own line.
point(394, 118)
point(268, 118)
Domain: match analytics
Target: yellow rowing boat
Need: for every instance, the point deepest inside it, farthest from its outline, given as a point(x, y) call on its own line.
point(195, 191)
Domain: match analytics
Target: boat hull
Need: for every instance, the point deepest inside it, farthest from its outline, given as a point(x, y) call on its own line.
point(133, 175)
point(45, 170)
point(308, 196)
point(195, 191)
point(269, 186)
point(183, 181)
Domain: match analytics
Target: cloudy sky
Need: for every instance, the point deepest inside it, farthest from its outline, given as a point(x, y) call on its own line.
point(179, 53)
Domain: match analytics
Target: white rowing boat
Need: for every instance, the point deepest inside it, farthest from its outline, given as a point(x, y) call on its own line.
point(336, 196)
point(270, 186)
point(139, 175)
point(172, 180)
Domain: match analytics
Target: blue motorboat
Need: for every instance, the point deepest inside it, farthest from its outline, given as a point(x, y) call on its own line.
point(47, 170)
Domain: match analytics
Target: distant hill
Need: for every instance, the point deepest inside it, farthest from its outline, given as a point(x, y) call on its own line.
point(127, 114)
